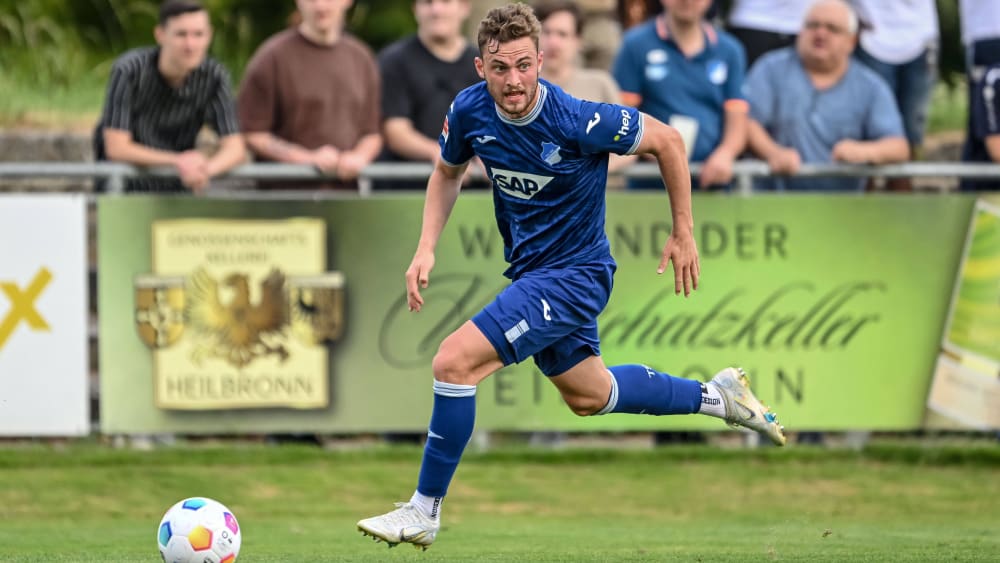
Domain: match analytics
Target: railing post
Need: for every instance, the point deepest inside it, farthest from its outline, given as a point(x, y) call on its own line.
point(116, 183)
point(744, 183)
point(364, 186)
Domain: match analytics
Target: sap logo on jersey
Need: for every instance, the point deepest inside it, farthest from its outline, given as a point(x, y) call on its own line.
point(519, 184)
point(626, 122)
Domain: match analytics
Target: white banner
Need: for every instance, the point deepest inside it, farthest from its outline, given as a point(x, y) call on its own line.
point(44, 388)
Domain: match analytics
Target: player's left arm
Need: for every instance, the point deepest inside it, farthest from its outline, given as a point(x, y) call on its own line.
point(665, 144)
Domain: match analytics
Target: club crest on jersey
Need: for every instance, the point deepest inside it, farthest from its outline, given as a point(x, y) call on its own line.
point(550, 153)
point(519, 184)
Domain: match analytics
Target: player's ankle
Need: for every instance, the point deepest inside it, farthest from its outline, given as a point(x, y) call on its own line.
point(427, 505)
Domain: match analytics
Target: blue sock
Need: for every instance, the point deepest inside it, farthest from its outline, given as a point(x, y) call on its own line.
point(639, 389)
point(452, 420)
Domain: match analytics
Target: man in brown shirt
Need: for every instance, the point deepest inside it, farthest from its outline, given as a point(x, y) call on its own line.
point(312, 95)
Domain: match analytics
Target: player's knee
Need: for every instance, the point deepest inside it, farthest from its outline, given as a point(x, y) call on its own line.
point(582, 405)
point(451, 366)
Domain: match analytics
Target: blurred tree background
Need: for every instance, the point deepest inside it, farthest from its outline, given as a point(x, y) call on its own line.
point(57, 43)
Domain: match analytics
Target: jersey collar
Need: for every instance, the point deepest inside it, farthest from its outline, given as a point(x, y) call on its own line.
point(543, 93)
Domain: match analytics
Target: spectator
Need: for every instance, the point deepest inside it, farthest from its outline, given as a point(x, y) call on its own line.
point(980, 32)
point(426, 70)
point(814, 104)
point(983, 143)
point(560, 42)
point(703, 95)
point(562, 29)
point(765, 25)
point(159, 98)
point(634, 12)
point(311, 95)
point(900, 43)
point(981, 36)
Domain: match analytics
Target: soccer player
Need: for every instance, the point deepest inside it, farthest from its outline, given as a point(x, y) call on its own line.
point(547, 155)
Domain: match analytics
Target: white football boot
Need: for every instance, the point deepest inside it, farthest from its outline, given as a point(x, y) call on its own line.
point(406, 524)
point(743, 408)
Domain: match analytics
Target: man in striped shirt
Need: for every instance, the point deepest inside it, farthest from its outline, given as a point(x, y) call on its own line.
point(159, 98)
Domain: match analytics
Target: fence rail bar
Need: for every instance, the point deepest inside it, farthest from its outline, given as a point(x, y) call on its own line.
point(744, 171)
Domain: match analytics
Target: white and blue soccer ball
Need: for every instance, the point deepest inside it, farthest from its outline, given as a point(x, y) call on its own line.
point(199, 530)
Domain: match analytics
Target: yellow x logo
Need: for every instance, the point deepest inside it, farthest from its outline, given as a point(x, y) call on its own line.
point(23, 305)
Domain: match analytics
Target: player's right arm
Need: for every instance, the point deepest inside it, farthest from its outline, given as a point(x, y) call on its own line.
point(442, 191)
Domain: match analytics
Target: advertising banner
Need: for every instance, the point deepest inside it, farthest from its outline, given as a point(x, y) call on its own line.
point(44, 384)
point(966, 386)
point(833, 304)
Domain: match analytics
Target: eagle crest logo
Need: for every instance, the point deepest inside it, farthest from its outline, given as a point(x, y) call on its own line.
point(230, 327)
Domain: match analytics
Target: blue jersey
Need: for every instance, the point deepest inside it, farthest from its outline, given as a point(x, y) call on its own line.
point(549, 170)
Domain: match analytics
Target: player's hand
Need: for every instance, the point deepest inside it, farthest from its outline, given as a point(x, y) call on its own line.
point(192, 168)
point(417, 278)
point(326, 158)
point(785, 160)
point(350, 165)
point(851, 151)
point(682, 251)
point(718, 169)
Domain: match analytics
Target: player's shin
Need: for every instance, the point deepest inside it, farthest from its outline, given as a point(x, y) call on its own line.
point(452, 421)
point(640, 389)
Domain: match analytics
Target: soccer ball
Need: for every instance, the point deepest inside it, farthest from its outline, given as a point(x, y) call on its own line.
point(198, 530)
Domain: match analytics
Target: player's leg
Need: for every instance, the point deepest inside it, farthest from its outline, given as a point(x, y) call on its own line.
point(464, 359)
point(590, 388)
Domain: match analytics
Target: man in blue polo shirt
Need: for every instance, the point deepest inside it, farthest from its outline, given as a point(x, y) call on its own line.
point(813, 103)
point(684, 71)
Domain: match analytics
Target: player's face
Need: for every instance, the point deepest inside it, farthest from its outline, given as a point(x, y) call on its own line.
point(440, 19)
point(322, 16)
point(825, 40)
point(511, 73)
point(687, 11)
point(184, 40)
point(559, 41)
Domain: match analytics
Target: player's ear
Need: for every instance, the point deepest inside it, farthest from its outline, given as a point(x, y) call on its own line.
point(540, 57)
point(480, 69)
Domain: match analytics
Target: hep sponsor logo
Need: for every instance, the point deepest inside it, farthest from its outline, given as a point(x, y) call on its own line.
point(626, 123)
point(519, 184)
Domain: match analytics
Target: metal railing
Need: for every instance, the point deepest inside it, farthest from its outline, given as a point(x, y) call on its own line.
point(744, 172)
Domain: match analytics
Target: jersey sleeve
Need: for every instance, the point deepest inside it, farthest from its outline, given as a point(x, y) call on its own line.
point(608, 128)
point(986, 104)
point(455, 148)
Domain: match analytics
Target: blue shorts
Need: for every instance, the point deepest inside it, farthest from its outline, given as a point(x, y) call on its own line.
point(550, 315)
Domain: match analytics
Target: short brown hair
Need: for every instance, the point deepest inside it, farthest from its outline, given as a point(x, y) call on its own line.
point(508, 23)
point(544, 9)
point(173, 8)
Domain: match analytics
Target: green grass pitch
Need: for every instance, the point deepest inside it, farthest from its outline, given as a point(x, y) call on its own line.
point(887, 503)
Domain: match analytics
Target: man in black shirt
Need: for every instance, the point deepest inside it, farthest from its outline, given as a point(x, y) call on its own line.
point(158, 98)
point(421, 74)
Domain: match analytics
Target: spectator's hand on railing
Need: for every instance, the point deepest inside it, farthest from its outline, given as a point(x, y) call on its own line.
point(717, 169)
point(192, 168)
point(849, 150)
point(327, 159)
point(350, 165)
point(784, 160)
